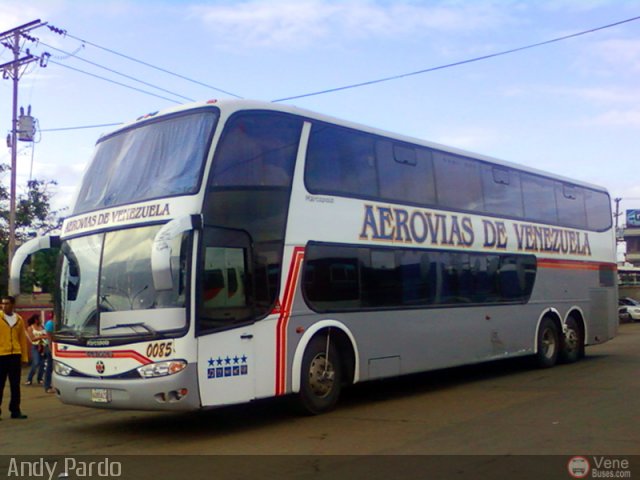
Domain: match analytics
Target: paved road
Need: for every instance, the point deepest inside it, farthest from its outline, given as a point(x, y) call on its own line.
point(504, 408)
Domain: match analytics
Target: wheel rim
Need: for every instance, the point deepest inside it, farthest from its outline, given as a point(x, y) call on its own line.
point(549, 343)
point(321, 376)
point(571, 340)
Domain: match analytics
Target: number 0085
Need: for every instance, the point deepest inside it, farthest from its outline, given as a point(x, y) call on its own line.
point(160, 349)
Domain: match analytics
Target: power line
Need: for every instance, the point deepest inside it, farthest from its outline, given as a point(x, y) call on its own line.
point(79, 128)
point(371, 82)
point(69, 54)
point(48, 60)
point(148, 64)
point(455, 64)
point(113, 81)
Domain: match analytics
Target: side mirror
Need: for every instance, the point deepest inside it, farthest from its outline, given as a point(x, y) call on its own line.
point(21, 255)
point(161, 249)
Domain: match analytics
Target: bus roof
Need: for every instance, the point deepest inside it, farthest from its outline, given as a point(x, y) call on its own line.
point(229, 107)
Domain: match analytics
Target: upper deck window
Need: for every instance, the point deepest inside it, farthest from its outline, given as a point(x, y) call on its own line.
point(351, 163)
point(458, 182)
point(341, 161)
point(502, 191)
point(257, 149)
point(155, 159)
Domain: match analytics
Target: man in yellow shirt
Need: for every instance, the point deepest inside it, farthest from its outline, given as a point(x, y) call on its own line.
point(13, 351)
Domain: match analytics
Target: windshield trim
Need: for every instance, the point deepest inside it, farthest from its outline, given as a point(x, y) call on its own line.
point(156, 119)
point(197, 186)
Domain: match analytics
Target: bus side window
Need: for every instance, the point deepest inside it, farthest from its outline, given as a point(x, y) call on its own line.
point(223, 267)
point(257, 149)
point(341, 161)
point(502, 191)
point(405, 173)
point(224, 295)
point(536, 192)
point(571, 205)
point(598, 206)
point(458, 181)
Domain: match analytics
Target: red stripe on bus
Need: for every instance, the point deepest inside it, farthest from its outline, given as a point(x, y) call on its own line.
point(575, 264)
point(101, 354)
point(283, 320)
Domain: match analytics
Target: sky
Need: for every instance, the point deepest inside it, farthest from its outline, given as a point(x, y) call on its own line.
point(571, 107)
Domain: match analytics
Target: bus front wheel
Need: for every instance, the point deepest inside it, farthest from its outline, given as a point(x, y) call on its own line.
point(321, 376)
point(548, 344)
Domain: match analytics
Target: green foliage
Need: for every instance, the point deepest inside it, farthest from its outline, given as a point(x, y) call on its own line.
point(41, 272)
point(33, 217)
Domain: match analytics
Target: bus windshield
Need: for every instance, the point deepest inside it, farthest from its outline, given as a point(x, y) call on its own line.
point(108, 274)
point(155, 159)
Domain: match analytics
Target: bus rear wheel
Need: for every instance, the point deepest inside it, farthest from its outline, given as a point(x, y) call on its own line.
point(548, 344)
point(321, 376)
point(573, 343)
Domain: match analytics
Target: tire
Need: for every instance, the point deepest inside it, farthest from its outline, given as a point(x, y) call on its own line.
point(321, 378)
point(548, 344)
point(573, 342)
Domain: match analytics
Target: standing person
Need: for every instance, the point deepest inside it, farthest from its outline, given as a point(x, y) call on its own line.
point(13, 351)
point(48, 357)
point(38, 336)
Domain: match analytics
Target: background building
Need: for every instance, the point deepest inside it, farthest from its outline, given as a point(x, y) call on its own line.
point(631, 235)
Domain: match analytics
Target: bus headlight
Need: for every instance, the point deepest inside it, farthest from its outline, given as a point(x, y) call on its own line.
point(62, 369)
point(162, 369)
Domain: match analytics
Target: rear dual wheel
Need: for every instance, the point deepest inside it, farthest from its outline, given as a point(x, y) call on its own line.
point(573, 342)
point(553, 347)
point(548, 344)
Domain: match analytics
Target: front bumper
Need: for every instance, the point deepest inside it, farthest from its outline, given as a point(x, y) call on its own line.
point(161, 393)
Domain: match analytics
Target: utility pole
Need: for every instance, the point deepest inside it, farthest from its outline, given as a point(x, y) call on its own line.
point(617, 214)
point(11, 70)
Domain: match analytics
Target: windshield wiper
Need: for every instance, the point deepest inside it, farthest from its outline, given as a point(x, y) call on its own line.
point(149, 329)
point(66, 331)
point(70, 333)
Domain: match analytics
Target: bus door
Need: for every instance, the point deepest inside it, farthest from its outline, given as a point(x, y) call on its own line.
point(225, 329)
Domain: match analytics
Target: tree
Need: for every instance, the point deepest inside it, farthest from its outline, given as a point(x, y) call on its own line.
point(34, 217)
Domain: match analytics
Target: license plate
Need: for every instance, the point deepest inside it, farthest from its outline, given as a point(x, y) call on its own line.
point(100, 395)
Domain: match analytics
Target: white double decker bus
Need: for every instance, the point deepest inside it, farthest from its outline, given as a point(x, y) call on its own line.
point(227, 251)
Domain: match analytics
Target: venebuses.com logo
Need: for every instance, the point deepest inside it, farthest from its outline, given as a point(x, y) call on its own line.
point(598, 467)
point(578, 467)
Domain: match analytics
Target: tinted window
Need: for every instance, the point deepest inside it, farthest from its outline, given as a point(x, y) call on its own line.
point(248, 192)
point(226, 295)
point(406, 173)
point(331, 278)
point(598, 206)
point(352, 278)
point(607, 276)
point(346, 162)
point(538, 195)
point(151, 160)
point(257, 149)
point(502, 191)
point(458, 182)
point(341, 161)
point(571, 206)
